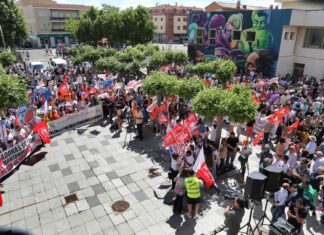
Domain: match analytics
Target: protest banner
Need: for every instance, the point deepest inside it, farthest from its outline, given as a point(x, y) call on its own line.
point(12, 157)
point(75, 120)
point(29, 114)
point(21, 113)
point(106, 83)
point(259, 124)
point(152, 107)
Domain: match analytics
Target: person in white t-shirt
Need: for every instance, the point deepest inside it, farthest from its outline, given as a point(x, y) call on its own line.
point(19, 134)
point(189, 160)
point(311, 146)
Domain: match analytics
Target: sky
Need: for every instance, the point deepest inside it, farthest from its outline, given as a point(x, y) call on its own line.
point(122, 4)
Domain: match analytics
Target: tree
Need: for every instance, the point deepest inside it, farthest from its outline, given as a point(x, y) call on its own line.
point(236, 103)
point(225, 71)
point(159, 83)
point(13, 91)
point(188, 88)
point(12, 22)
point(7, 58)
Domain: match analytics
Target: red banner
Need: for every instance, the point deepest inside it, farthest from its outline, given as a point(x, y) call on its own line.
point(42, 130)
point(169, 139)
point(29, 115)
point(258, 138)
point(294, 125)
point(63, 89)
point(191, 121)
point(163, 119)
point(152, 107)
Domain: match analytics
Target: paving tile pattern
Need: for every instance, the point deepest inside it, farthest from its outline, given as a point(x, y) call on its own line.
point(98, 167)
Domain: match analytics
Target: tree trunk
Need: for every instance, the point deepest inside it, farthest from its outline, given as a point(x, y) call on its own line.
point(219, 129)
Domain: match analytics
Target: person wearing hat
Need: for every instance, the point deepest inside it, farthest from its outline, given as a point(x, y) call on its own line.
point(311, 145)
point(280, 198)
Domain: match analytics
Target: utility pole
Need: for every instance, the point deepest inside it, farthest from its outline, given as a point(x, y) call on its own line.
point(3, 40)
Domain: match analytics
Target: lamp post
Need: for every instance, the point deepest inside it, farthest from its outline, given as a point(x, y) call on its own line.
point(3, 41)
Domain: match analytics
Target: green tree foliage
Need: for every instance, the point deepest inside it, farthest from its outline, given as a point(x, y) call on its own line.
point(127, 27)
point(13, 91)
point(12, 22)
point(188, 88)
point(7, 58)
point(223, 69)
point(159, 83)
point(161, 58)
point(236, 103)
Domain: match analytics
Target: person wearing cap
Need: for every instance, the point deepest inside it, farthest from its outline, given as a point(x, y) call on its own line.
point(280, 198)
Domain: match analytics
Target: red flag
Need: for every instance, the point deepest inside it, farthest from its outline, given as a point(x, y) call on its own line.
point(169, 139)
point(152, 107)
point(1, 162)
point(165, 107)
point(16, 121)
point(65, 78)
point(255, 100)
point(258, 138)
point(0, 199)
point(283, 111)
point(183, 135)
point(42, 130)
point(202, 171)
point(294, 125)
point(163, 119)
point(190, 121)
point(177, 128)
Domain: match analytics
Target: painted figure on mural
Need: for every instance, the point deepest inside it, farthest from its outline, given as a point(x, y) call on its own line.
point(263, 37)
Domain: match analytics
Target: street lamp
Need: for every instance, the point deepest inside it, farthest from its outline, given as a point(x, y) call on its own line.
point(3, 41)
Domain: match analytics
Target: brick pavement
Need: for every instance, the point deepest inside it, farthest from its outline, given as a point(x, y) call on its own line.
point(97, 166)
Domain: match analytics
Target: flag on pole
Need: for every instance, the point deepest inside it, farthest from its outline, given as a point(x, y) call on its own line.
point(294, 125)
point(258, 138)
point(202, 171)
point(42, 130)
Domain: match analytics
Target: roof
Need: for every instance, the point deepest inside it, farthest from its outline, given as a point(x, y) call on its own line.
point(175, 7)
point(53, 5)
point(233, 6)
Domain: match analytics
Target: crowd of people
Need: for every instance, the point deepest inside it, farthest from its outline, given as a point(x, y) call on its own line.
point(298, 152)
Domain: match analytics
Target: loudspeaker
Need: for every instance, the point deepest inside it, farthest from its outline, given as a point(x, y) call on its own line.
point(273, 181)
point(254, 186)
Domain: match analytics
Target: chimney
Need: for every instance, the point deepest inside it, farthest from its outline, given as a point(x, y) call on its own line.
point(271, 7)
point(238, 5)
point(244, 7)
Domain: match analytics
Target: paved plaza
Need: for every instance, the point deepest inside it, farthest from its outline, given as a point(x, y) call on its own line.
point(101, 168)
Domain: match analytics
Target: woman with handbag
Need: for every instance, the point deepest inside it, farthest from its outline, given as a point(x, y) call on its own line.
point(244, 157)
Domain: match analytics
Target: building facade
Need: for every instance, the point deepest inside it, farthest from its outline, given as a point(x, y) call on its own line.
point(274, 42)
point(46, 19)
point(171, 22)
point(302, 4)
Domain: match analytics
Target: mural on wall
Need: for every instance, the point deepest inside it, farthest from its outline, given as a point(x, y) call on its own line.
point(251, 38)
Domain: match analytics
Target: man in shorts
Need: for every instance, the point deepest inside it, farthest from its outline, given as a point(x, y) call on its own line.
point(193, 193)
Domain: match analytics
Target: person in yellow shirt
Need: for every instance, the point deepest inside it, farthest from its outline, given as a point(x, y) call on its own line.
point(193, 193)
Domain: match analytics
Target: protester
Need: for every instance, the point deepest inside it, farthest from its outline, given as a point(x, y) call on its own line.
point(193, 185)
point(280, 198)
point(234, 215)
point(296, 214)
point(180, 191)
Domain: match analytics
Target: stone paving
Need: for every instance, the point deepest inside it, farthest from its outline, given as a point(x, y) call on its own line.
point(101, 168)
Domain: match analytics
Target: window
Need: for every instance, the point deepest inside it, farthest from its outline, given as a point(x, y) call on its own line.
point(314, 38)
point(184, 19)
point(184, 27)
point(178, 27)
point(58, 26)
point(200, 36)
point(179, 19)
point(292, 36)
point(236, 35)
point(43, 26)
point(43, 13)
point(155, 19)
point(250, 36)
point(212, 37)
point(161, 18)
point(287, 35)
point(298, 69)
point(161, 27)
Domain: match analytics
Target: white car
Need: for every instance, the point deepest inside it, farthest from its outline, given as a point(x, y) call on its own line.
point(36, 66)
point(58, 62)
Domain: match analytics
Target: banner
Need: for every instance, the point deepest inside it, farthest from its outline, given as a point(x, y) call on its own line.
point(75, 120)
point(22, 110)
point(152, 107)
point(169, 139)
point(191, 121)
point(12, 157)
point(258, 138)
point(106, 83)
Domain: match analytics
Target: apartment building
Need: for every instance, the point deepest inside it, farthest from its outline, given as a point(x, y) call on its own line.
point(302, 4)
point(171, 22)
point(45, 21)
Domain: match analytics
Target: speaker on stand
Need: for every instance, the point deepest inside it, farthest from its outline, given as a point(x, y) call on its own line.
point(272, 184)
